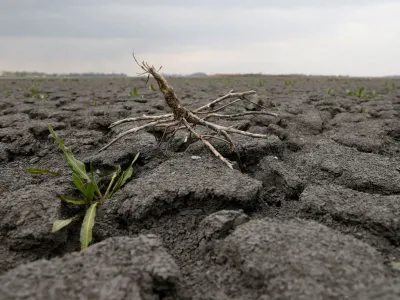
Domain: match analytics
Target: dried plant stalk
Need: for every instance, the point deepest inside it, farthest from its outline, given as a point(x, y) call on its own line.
point(183, 116)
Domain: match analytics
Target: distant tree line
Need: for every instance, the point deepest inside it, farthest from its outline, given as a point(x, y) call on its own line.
point(47, 75)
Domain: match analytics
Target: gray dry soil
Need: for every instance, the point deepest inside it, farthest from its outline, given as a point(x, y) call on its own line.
point(313, 214)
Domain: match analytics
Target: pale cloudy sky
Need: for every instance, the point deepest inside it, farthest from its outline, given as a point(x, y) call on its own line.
point(354, 37)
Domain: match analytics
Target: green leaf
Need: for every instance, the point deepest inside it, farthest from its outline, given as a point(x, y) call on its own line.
point(34, 91)
point(77, 166)
point(124, 176)
point(134, 93)
point(113, 177)
point(89, 191)
point(42, 171)
point(72, 200)
point(360, 92)
point(87, 226)
point(78, 183)
point(59, 224)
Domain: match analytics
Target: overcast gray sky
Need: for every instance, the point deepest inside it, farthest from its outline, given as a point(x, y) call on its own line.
point(348, 37)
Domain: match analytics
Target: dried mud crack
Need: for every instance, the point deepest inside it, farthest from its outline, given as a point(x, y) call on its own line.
point(311, 211)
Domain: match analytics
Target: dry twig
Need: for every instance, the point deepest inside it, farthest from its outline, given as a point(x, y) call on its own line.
point(182, 118)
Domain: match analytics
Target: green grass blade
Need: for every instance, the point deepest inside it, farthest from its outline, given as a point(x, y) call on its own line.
point(93, 179)
point(59, 141)
point(124, 176)
point(59, 224)
point(87, 226)
point(113, 177)
point(77, 166)
point(42, 171)
point(72, 200)
point(78, 183)
point(360, 92)
point(90, 190)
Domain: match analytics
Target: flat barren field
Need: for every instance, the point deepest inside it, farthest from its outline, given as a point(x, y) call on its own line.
point(310, 211)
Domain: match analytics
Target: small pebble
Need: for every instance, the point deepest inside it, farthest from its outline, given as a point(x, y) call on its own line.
point(195, 157)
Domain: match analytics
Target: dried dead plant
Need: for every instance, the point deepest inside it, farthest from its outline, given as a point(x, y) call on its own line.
point(182, 118)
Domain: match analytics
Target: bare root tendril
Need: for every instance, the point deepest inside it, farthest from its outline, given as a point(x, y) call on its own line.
point(182, 118)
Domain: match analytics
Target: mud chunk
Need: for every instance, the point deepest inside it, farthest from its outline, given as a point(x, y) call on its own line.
point(4, 156)
point(219, 224)
point(181, 181)
point(27, 215)
point(26, 219)
point(116, 268)
point(123, 151)
point(277, 130)
point(366, 136)
point(312, 120)
point(295, 259)
point(251, 150)
point(390, 290)
point(365, 172)
point(377, 213)
point(348, 118)
point(275, 173)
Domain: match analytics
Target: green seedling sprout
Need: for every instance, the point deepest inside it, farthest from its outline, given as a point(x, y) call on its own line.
point(360, 92)
point(134, 93)
point(91, 197)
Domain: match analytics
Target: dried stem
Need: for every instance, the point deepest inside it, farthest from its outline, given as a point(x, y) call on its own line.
point(220, 116)
point(181, 115)
point(142, 118)
point(231, 94)
point(207, 143)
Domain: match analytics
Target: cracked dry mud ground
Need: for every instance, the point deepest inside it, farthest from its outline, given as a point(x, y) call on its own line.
point(314, 215)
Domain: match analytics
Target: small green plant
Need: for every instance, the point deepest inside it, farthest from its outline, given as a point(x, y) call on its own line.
point(87, 184)
point(36, 94)
point(329, 91)
point(261, 83)
point(358, 93)
point(134, 93)
point(373, 93)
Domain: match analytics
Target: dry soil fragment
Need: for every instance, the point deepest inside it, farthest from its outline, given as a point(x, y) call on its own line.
point(295, 259)
point(360, 171)
point(118, 268)
point(177, 181)
point(380, 214)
